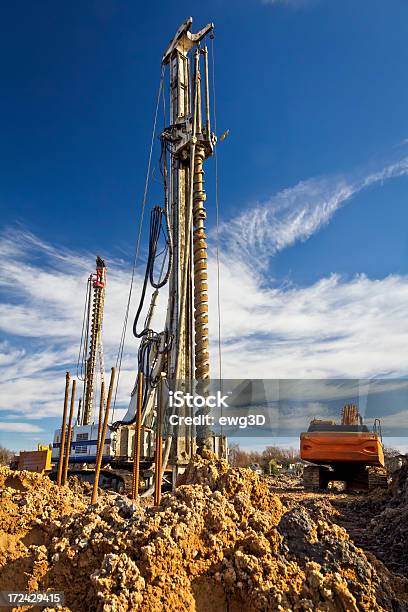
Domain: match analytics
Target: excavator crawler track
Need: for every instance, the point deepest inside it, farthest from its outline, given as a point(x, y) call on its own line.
point(377, 478)
point(315, 477)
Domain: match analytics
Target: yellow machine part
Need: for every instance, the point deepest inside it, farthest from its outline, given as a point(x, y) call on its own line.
point(337, 447)
point(36, 461)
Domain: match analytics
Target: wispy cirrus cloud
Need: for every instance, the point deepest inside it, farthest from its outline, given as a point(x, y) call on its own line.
point(296, 213)
point(332, 328)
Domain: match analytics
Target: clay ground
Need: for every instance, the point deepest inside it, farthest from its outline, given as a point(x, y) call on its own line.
point(226, 540)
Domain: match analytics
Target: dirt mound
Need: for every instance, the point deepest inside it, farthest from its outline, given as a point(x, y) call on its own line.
point(399, 485)
point(221, 541)
point(390, 526)
point(377, 522)
point(27, 503)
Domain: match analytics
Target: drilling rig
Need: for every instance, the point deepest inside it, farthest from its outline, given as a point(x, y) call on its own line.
point(180, 352)
point(178, 355)
point(83, 446)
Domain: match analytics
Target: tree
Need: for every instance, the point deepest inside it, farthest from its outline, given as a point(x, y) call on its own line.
point(273, 469)
point(6, 456)
point(240, 458)
point(278, 454)
point(391, 453)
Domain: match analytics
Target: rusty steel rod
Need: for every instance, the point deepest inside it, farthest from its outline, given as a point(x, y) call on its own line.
point(159, 443)
point(201, 343)
point(101, 404)
point(63, 429)
point(136, 440)
point(69, 435)
point(102, 439)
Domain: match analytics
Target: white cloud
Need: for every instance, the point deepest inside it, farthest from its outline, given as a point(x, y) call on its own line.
point(355, 328)
point(19, 427)
point(294, 214)
point(41, 314)
point(331, 328)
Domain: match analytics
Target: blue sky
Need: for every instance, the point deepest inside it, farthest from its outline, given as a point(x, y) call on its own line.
point(313, 185)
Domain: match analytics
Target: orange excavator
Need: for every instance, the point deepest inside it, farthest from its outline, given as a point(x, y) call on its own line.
point(348, 452)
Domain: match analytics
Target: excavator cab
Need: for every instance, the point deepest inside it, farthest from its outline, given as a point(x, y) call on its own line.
point(348, 452)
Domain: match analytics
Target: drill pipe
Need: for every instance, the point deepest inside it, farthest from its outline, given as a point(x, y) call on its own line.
point(69, 435)
point(101, 445)
point(202, 358)
point(63, 429)
point(137, 438)
point(202, 363)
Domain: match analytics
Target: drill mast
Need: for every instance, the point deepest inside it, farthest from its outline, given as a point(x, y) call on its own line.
point(96, 290)
point(180, 352)
point(190, 143)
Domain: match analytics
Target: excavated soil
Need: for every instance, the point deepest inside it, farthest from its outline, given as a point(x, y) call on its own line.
point(379, 523)
point(223, 541)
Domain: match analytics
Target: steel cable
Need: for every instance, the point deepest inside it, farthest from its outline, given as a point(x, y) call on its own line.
point(136, 255)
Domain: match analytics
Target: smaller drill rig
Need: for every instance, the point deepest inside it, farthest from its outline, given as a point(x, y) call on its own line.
point(85, 432)
point(96, 284)
point(84, 439)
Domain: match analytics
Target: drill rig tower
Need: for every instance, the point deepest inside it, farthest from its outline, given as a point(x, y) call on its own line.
point(94, 314)
point(190, 143)
point(181, 352)
point(84, 434)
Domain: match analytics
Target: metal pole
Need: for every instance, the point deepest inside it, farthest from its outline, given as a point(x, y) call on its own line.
point(101, 403)
point(102, 440)
point(69, 435)
point(136, 441)
point(159, 443)
point(207, 95)
point(63, 429)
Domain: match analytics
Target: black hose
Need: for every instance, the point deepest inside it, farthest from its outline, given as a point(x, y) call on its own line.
point(156, 227)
